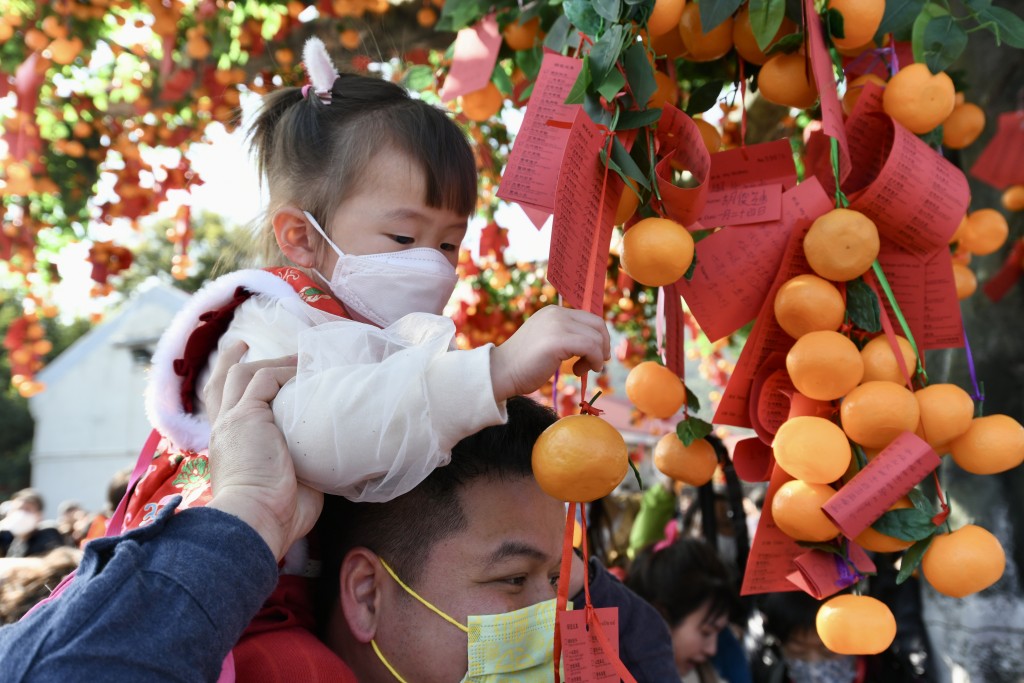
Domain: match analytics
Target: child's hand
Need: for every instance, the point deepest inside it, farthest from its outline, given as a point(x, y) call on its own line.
point(553, 334)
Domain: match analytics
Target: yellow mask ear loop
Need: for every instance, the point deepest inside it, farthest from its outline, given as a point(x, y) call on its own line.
point(426, 604)
point(380, 656)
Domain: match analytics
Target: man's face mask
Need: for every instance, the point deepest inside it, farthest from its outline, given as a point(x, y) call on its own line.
point(502, 647)
point(839, 670)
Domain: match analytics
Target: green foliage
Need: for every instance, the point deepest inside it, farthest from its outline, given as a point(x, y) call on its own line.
point(714, 12)
point(765, 19)
point(692, 429)
point(862, 306)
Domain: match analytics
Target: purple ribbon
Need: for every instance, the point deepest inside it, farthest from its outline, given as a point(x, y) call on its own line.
point(978, 396)
point(894, 60)
point(847, 576)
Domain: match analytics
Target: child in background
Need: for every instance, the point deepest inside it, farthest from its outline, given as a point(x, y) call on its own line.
point(370, 193)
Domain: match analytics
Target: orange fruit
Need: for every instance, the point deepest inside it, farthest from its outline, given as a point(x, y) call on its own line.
point(628, 203)
point(946, 413)
point(812, 449)
point(656, 251)
point(861, 19)
point(426, 17)
point(666, 91)
point(985, 232)
point(841, 244)
point(743, 36)
point(1013, 198)
point(669, 44)
point(918, 99)
point(855, 88)
point(992, 444)
point(880, 361)
point(796, 509)
point(710, 135)
point(960, 230)
point(964, 561)
point(966, 281)
point(856, 625)
point(521, 36)
point(963, 126)
point(877, 542)
point(787, 80)
point(481, 104)
point(580, 458)
point(701, 46)
point(694, 464)
point(655, 390)
point(349, 39)
point(664, 17)
point(807, 303)
point(875, 413)
point(824, 365)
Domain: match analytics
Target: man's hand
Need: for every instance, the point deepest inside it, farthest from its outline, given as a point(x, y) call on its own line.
point(252, 473)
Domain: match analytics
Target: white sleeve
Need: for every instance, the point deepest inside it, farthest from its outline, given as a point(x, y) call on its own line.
point(372, 412)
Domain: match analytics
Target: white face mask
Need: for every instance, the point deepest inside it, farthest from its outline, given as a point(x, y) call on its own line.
point(381, 288)
point(21, 522)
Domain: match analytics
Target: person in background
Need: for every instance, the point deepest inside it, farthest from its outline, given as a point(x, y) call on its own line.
point(25, 581)
point(24, 534)
point(72, 521)
point(115, 492)
point(690, 587)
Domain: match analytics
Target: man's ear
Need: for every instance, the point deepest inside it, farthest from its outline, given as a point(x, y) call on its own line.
point(360, 592)
point(293, 233)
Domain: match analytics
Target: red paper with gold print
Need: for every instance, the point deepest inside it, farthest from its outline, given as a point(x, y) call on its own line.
point(173, 472)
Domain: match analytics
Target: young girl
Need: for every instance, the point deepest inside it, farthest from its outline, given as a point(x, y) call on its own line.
point(370, 192)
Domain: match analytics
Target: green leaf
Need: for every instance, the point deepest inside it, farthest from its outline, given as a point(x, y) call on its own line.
point(608, 9)
point(908, 524)
point(692, 429)
point(459, 15)
point(501, 79)
point(582, 15)
point(786, 44)
point(597, 113)
point(579, 88)
point(418, 78)
point(714, 12)
point(529, 61)
point(558, 35)
point(917, 39)
point(978, 5)
point(628, 120)
point(688, 275)
point(625, 162)
point(912, 558)
point(692, 402)
point(944, 42)
point(639, 74)
point(834, 21)
point(921, 502)
point(612, 85)
point(636, 473)
point(704, 97)
point(863, 307)
point(605, 53)
point(899, 16)
point(1011, 27)
point(765, 19)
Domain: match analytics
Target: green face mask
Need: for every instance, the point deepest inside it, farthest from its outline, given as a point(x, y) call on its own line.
point(514, 647)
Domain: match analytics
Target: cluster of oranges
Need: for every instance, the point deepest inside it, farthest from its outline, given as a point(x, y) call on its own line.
point(981, 233)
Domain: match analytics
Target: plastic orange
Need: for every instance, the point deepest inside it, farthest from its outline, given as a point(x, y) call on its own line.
point(628, 203)
point(812, 449)
point(824, 365)
point(875, 413)
point(482, 104)
point(710, 135)
point(861, 19)
point(965, 280)
point(856, 625)
point(669, 44)
point(918, 99)
point(992, 444)
point(745, 42)
point(521, 36)
point(946, 413)
point(880, 361)
point(786, 79)
point(807, 303)
point(964, 561)
point(985, 232)
point(841, 245)
point(655, 390)
point(656, 251)
point(963, 126)
point(666, 91)
point(877, 542)
point(701, 46)
point(580, 458)
point(796, 509)
point(694, 464)
point(855, 88)
point(1013, 198)
point(665, 17)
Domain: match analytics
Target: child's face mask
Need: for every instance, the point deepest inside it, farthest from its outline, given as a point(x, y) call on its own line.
point(381, 288)
point(511, 646)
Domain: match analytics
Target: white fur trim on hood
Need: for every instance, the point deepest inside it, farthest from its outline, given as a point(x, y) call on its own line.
point(190, 431)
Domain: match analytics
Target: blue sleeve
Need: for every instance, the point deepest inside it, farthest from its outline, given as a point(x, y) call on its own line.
point(164, 602)
point(645, 644)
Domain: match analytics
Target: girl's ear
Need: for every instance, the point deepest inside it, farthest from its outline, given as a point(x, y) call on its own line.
point(361, 579)
point(293, 234)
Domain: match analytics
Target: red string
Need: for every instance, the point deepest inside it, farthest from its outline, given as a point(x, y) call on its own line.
point(563, 583)
point(743, 104)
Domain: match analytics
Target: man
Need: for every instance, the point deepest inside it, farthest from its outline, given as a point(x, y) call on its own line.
point(23, 532)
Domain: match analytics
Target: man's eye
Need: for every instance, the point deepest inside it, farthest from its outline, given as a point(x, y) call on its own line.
point(403, 239)
point(554, 580)
point(449, 247)
point(515, 580)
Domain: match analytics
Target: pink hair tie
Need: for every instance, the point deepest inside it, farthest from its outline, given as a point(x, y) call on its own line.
point(671, 536)
point(305, 91)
